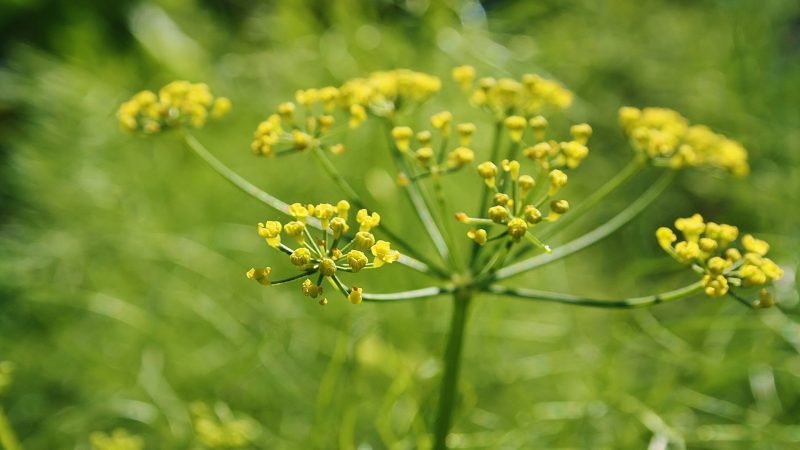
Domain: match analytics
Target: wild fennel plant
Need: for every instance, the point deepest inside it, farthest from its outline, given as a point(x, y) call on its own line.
point(522, 174)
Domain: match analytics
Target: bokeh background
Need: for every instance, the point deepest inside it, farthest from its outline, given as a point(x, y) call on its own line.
point(122, 295)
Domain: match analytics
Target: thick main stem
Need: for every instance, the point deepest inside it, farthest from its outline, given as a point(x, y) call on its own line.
point(452, 365)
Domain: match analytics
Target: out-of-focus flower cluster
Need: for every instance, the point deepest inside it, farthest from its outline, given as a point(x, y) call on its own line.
point(119, 439)
point(381, 93)
point(434, 152)
point(177, 104)
point(707, 246)
point(323, 256)
point(505, 97)
point(515, 204)
point(552, 154)
point(220, 429)
point(667, 138)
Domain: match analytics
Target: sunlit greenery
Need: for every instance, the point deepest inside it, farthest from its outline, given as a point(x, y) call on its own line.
point(123, 302)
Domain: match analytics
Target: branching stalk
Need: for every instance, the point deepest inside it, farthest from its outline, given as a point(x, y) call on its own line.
point(280, 206)
point(418, 202)
point(633, 167)
point(634, 302)
point(353, 196)
point(592, 237)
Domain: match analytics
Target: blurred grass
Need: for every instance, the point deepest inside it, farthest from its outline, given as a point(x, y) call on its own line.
point(122, 259)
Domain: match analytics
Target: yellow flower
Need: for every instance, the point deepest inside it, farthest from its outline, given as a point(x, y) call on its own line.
point(310, 289)
point(324, 212)
point(532, 215)
point(687, 251)
point(260, 275)
point(366, 220)
point(364, 240)
point(581, 132)
point(299, 212)
point(441, 121)
point(222, 106)
point(691, 227)
point(558, 179)
point(356, 260)
point(357, 115)
point(271, 231)
point(343, 209)
point(460, 157)
point(715, 286)
point(355, 295)
point(464, 75)
point(754, 245)
point(512, 167)
point(465, 133)
point(327, 267)
point(402, 138)
point(339, 226)
point(517, 228)
point(383, 253)
point(498, 214)
point(478, 235)
point(296, 230)
point(516, 127)
point(526, 183)
point(539, 126)
point(424, 137)
point(424, 155)
point(301, 257)
point(665, 237)
point(488, 171)
point(717, 265)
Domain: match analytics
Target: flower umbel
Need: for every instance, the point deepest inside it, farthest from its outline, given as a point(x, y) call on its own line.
point(177, 104)
point(665, 137)
point(322, 257)
point(707, 247)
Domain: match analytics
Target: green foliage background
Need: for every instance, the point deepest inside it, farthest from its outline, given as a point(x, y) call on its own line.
point(122, 295)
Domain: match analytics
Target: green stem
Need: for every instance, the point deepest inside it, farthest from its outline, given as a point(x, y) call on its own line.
point(633, 167)
point(7, 436)
point(495, 153)
point(419, 204)
point(234, 177)
point(348, 190)
point(594, 236)
point(446, 224)
point(635, 302)
point(413, 294)
point(452, 365)
point(280, 206)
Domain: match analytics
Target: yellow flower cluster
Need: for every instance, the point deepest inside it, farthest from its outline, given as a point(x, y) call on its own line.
point(324, 256)
point(419, 147)
point(381, 93)
point(510, 204)
point(506, 96)
point(176, 104)
point(222, 431)
point(286, 131)
point(119, 439)
point(707, 246)
point(552, 154)
point(666, 137)
point(385, 92)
